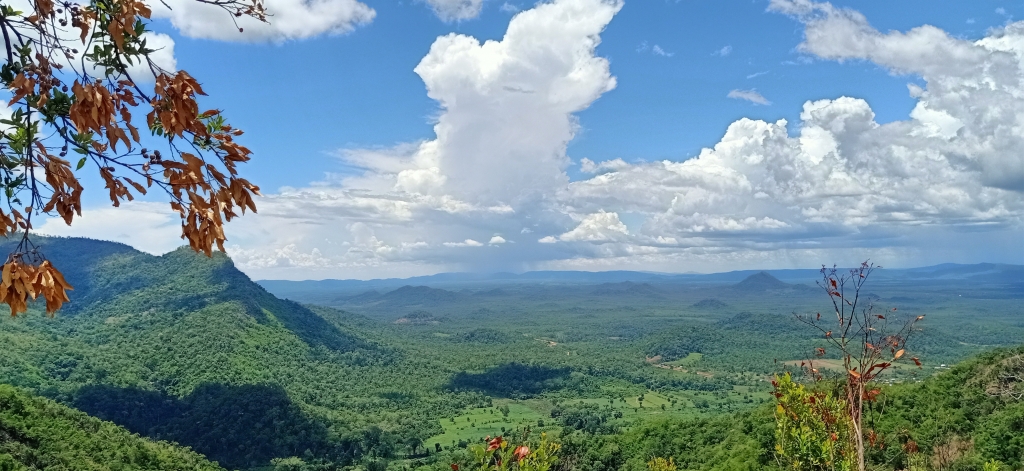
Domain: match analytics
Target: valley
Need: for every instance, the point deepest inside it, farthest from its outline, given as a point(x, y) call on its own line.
point(322, 375)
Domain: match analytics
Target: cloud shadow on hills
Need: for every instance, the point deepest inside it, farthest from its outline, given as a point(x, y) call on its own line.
point(238, 426)
point(513, 380)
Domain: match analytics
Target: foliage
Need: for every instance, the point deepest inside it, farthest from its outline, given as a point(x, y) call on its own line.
point(957, 406)
point(868, 343)
point(813, 428)
point(38, 434)
point(498, 454)
point(661, 464)
point(67, 100)
point(589, 418)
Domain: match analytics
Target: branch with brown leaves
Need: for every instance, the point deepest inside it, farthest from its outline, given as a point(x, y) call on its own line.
point(67, 68)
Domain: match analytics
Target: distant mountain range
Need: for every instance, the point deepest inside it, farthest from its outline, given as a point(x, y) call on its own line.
point(640, 283)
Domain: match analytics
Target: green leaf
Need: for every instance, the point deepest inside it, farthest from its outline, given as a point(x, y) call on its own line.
point(81, 163)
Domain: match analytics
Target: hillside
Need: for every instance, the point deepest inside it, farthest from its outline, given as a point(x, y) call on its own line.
point(39, 434)
point(186, 348)
point(955, 420)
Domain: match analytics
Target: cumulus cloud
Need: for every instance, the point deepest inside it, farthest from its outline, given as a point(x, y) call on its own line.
point(724, 51)
point(497, 240)
point(457, 10)
point(597, 227)
point(836, 185)
point(963, 78)
point(749, 95)
point(291, 19)
point(589, 166)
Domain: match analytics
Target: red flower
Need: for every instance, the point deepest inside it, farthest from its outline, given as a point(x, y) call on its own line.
point(494, 444)
point(521, 452)
point(455, 467)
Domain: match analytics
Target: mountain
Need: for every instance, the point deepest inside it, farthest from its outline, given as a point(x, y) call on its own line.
point(186, 348)
point(39, 434)
point(761, 281)
point(329, 292)
point(418, 296)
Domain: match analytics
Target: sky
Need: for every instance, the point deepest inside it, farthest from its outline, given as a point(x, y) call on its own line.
point(395, 139)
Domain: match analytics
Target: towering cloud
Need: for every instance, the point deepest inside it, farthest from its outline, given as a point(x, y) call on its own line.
point(837, 181)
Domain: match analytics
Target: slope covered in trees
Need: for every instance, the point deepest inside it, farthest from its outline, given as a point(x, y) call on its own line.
point(961, 419)
point(39, 434)
point(185, 348)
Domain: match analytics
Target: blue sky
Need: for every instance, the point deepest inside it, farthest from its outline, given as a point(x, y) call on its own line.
point(336, 109)
point(359, 90)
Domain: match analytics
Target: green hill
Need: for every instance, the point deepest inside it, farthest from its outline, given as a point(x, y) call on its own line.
point(186, 348)
point(39, 434)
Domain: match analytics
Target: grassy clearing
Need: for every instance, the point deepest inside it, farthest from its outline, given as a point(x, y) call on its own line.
point(475, 424)
point(689, 360)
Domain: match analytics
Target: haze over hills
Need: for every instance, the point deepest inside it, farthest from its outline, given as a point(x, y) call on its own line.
point(982, 272)
point(186, 348)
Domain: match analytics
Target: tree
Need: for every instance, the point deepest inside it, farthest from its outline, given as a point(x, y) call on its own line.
point(812, 428)
point(76, 73)
point(868, 342)
point(414, 444)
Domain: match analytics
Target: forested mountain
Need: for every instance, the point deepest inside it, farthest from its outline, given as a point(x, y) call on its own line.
point(39, 434)
point(185, 348)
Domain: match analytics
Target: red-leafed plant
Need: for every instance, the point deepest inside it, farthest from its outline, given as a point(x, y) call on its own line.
point(868, 341)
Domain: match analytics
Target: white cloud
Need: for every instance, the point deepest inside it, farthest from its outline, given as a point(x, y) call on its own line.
point(291, 19)
point(836, 185)
point(757, 74)
point(150, 227)
point(597, 227)
point(589, 166)
point(964, 77)
point(497, 240)
point(465, 243)
point(724, 51)
point(749, 95)
point(457, 10)
point(162, 44)
point(509, 8)
point(655, 50)
point(658, 51)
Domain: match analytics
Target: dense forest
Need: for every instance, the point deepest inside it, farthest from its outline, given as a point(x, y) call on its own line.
point(186, 349)
point(39, 434)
